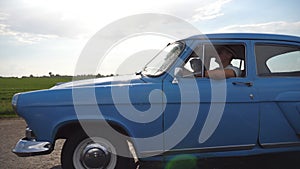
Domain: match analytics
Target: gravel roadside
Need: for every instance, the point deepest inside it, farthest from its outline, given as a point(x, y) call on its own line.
point(11, 130)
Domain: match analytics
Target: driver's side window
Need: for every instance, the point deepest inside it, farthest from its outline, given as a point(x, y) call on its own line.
point(198, 65)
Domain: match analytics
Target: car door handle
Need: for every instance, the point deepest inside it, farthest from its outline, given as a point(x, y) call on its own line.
point(249, 84)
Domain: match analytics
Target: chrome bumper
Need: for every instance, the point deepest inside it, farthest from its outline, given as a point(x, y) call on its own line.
point(26, 148)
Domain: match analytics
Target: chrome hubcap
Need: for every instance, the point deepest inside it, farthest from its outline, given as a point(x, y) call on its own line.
point(95, 156)
point(95, 153)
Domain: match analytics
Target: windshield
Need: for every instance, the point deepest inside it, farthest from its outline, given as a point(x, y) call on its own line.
point(164, 59)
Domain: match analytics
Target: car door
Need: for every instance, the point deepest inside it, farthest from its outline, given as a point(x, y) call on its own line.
point(206, 115)
point(278, 82)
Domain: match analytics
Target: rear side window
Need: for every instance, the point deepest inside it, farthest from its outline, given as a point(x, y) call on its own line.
point(277, 60)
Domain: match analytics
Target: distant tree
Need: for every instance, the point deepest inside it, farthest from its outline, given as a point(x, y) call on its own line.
point(31, 75)
point(50, 74)
point(99, 75)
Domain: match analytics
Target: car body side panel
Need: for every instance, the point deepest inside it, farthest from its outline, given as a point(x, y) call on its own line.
point(279, 101)
point(289, 103)
point(42, 110)
point(280, 119)
point(138, 106)
point(234, 128)
point(291, 114)
point(45, 111)
point(238, 125)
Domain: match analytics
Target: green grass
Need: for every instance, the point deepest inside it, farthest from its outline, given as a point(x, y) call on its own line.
point(10, 86)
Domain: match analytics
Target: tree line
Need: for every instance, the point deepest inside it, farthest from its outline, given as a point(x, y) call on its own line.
point(51, 75)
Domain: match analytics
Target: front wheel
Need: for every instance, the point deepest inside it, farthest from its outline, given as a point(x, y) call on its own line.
point(83, 152)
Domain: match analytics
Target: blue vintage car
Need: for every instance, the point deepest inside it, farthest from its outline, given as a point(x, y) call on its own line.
point(214, 95)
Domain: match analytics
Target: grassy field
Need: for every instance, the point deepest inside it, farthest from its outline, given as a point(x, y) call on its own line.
point(10, 86)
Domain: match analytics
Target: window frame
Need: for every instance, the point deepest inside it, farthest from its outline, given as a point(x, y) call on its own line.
point(203, 47)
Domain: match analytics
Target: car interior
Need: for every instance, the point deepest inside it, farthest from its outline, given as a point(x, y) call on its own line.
point(195, 62)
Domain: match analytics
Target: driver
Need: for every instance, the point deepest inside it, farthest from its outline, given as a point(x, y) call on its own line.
point(226, 69)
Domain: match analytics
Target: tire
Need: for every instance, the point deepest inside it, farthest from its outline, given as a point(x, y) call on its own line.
point(76, 154)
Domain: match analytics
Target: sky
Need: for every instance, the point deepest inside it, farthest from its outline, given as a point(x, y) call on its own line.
point(41, 36)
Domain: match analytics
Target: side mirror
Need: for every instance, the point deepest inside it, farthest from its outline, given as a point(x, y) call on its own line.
point(177, 73)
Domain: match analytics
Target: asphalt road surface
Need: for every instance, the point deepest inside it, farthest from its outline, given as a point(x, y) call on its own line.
point(11, 130)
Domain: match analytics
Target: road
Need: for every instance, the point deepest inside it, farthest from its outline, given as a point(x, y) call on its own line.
point(11, 130)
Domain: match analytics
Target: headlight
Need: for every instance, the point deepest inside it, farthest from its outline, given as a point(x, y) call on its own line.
point(14, 101)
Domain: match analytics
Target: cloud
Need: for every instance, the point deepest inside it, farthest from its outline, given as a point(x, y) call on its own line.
point(13, 25)
point(210, 10)
point(280, 27)
point(36, 20)
point(23, 37)
point(33, 21)
point(3, 16)
point(196, 10)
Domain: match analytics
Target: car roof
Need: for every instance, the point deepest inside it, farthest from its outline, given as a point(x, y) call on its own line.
point(246, 36)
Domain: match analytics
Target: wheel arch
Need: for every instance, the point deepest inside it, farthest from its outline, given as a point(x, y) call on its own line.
point(65, 129)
